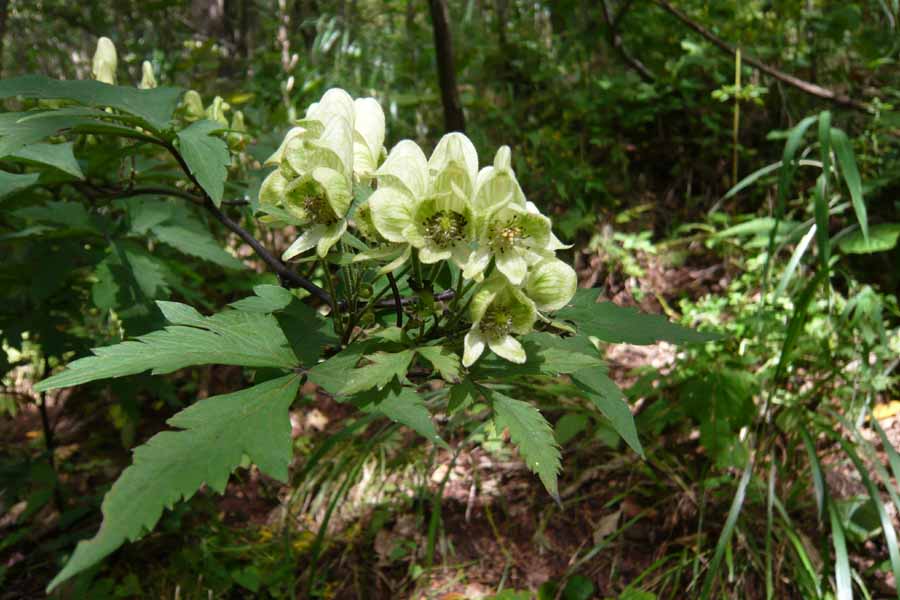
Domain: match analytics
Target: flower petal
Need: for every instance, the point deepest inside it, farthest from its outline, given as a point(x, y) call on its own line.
point(406, 166)
point(278, 155)
point(478, 262)
point(454, 160)
point(334, 102)
point(337, 189)
point(512, 264)
point(308, 239)
point(397, 262)
point(473, 346)
point(508, 348)
point(429, 254)
point(330, 237)
point(551, 284)
point(368, 128)
point(273, 189)
point(391, 211)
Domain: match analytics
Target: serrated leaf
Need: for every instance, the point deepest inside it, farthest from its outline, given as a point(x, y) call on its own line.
point(207, 157)
point(155, 106)
point(532, 434)
point(216, 434)
point(619, 324)
point(403, 405)
point(58, 156)
point(596, 385)
point(10, 183)
point(461, 395)
point(443, 360)
point(227, 338)
point(545, 354)
point(70, 215)
point(196, 242)
point(882, 237)
point(381, 371)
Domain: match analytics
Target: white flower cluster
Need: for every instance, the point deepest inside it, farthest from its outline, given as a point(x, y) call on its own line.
point(441, 207)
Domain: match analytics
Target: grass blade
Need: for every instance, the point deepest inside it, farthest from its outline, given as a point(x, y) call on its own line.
point(844, 583)
point(730, 522)
point(796, 257)
point(816, 468)
point(844, 153)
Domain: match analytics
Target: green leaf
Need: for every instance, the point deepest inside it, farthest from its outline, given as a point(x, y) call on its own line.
point(530, 432)
point(155, 106)
point(196, 242)
point(403, 405)
point(596, 385)
point(216, 434)
point(58, 156)
point(617, 324)
point(70, 215)
point(228, 338)
point(882, 237)
point(845, 158)
point(381, 371)
point(461, 395)
point(207, 157)
point(546, 354)
point(443, 360)
point(10, 183)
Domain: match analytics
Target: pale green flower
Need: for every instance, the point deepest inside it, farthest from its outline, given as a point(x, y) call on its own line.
point(148, 79)
point(320, 201)
point(368, 137)
point(510, 235)
point(105, 61)
point(497, 184)
point(498, 310)
point(407, 208)
point(454, 163)
point(216, 111)
point(551, 284)
point(192, 106)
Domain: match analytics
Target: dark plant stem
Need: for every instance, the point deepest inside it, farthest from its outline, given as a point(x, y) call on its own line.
point(50, 442)
point(398, 301)
point(454, 119)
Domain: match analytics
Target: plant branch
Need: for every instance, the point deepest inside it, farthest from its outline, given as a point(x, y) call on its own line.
point(398, 301)
point(615, 40)
point(805, 86)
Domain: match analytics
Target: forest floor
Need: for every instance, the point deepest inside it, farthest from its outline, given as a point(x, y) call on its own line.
point(623, 520)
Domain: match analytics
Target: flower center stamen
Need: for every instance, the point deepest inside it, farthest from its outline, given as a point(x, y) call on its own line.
point(445, 228)
point(506, 235)
point(496, 323)
point(318, 209)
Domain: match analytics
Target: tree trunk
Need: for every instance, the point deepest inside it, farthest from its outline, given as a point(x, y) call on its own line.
point(454, 120)
point(4, 13)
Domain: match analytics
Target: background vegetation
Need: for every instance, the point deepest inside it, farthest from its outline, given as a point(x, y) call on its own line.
point(757, 195)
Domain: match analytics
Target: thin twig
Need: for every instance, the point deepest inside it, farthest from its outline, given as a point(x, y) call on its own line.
point(615, 40)
point(805, 86)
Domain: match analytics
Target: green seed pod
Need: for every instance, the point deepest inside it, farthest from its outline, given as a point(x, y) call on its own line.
point(365, 291)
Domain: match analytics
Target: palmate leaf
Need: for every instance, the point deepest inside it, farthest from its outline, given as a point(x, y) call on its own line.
point(384, 367)
point(216, 434)
point(532, 434)
point(443, 360)
point(618, 324)
point(155, 106)
point(228, 338)
point(207, 156)
point(402, 405)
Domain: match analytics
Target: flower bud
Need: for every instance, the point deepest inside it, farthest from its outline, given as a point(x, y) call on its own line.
point(105, 61)
point(216, 111)
point(148, 80)
point(193, 106)
point(551, 284)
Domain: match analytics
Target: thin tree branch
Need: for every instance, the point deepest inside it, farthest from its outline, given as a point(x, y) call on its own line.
point(454, 119)
point(615, 40)
point(805, 86)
